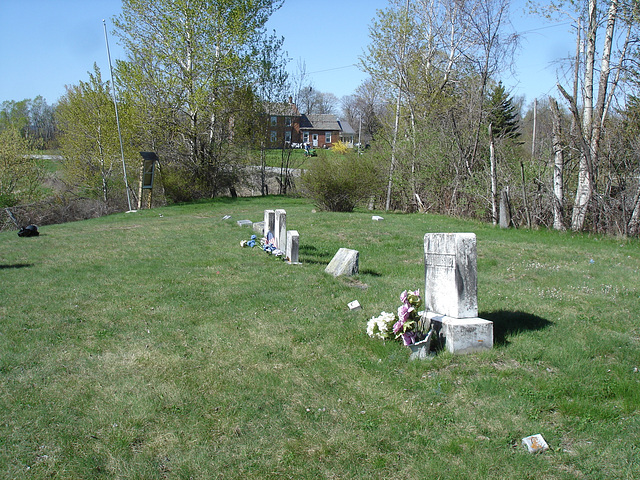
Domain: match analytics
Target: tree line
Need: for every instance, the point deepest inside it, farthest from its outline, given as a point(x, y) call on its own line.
point(445, 134)
point(457, 143)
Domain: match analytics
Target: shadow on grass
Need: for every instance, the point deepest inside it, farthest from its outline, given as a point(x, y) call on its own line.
point(508, 323)
point(312, 255)
point(368, 271)
point(16, 265)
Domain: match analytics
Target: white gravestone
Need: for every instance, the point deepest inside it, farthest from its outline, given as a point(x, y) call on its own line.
point(451, 292)
point(280, 232)
point(450, 263)
point(293, 245)
point(269, 222)
point(344, 262)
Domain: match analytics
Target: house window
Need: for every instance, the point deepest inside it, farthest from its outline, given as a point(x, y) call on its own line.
point(287, 136)
point(305, 137)
point(274, 136)
point(327, 137)
point(287, 121)
point(274, 120)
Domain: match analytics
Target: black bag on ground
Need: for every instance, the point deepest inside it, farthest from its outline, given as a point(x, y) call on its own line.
point(29, 231)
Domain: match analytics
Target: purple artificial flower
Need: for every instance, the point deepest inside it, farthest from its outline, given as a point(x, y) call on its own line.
point(403, 312)
point(409, 338)
point(398, 326)
point(403, 296)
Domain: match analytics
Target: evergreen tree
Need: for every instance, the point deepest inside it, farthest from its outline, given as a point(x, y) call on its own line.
point(503, 113)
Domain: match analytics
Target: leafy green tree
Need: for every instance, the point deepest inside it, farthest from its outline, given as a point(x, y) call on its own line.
point(20, 175)
point(185, 61)
point(89, 137)
point(15, 115)
point(34, 120)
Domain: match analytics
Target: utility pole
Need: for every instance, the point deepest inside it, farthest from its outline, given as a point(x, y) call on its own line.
point(115, 103)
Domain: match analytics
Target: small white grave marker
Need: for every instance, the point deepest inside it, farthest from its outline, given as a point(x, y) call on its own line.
point(535, 444)
point(376, 218)
point(245, 223)
point(355, 305)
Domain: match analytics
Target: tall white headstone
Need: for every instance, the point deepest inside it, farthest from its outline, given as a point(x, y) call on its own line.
point(269, 222)
point(280, 232)
point(451, 292)
point(293, 245)
point(450, 263)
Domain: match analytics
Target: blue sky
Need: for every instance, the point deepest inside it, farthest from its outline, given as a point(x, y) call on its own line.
point(47, 44)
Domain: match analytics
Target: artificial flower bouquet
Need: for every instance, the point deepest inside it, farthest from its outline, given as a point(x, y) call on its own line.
point(407, 324)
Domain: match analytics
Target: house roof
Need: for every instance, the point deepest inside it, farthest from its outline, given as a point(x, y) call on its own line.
point(346, 128)
point(281, 109)
point(325, 122)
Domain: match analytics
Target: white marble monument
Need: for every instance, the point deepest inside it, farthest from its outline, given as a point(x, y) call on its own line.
point(451, 291)
point(280, 232)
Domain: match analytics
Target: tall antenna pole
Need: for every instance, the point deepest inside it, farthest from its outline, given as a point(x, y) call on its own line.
point(115, 103)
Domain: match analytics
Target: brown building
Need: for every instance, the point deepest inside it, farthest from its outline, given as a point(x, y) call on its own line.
point(283, 125)
point(287, 128)
point(323, 130)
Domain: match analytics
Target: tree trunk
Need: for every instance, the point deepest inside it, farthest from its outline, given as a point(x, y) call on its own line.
point(494, 177)
point(558, 167)
point(585, 180)
point(633, 227)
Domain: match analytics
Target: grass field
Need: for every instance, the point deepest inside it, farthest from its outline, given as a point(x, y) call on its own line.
point(151, 345)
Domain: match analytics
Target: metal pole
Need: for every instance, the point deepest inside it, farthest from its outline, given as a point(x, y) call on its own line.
point(115, 103)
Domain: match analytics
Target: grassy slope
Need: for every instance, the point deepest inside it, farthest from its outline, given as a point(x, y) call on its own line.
point(151, 345)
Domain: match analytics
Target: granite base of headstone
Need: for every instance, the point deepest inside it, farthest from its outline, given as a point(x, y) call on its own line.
point(463, 335)
point(345, 262)
point(451, 301)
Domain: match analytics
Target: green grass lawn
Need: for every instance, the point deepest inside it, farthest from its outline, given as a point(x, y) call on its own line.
point(151, 345)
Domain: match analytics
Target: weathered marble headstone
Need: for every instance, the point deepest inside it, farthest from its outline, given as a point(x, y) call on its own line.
point(451, 292)
point(293, 245)
point(258, 227)
point(450, 263)
point(244, 223)
point(269, 222)
point(280, 232)
point(345, 262)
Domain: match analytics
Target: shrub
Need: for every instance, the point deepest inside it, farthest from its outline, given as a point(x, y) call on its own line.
point(341, 148)
point(339, 183)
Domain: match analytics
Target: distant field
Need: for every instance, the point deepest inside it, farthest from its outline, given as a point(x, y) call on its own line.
point(151, 345)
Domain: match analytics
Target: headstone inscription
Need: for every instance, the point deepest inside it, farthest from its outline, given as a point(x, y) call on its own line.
point(450, 263)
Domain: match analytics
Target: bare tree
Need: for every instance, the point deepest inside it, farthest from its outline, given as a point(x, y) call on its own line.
point(595, 103)
point(558, 168)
